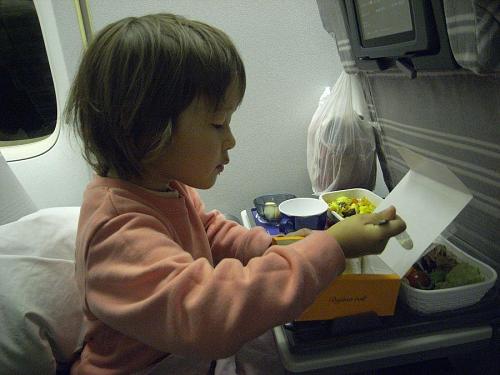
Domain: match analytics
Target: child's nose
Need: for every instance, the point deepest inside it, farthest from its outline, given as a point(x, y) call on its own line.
point(230, 141)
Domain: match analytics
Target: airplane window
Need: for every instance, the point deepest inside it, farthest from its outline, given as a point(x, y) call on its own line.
point(28, 109)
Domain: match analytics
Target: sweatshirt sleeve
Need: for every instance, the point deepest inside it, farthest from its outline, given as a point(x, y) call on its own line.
point(227, 238)
point(141, 283)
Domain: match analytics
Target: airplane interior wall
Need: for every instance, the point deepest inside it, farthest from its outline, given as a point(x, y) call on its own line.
point(57, 177)
point(289, 60)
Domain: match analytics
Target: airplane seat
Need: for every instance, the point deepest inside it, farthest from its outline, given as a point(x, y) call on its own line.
point(14, 200)
point(449, 115)
point(40, 307)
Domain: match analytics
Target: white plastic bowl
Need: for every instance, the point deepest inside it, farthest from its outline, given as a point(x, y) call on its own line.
point(434, 301)
point(350, 193)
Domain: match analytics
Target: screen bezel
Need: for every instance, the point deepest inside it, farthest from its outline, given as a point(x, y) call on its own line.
point(394, 45)
point(401, 37)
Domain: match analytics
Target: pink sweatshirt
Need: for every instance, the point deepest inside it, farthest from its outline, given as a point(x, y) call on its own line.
point(159, 275)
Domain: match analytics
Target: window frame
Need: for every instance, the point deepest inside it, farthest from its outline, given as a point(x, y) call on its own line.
point(61, 81)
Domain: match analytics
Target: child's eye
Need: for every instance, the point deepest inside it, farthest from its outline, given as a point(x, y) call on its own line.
point(218, 126)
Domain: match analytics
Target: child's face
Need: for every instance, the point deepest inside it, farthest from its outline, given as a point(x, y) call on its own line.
point(199, 146)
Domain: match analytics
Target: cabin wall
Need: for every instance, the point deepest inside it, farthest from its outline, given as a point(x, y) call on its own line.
point(57, 177)
point(289, 60)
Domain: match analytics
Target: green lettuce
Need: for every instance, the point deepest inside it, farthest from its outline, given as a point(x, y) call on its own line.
point(461, 274)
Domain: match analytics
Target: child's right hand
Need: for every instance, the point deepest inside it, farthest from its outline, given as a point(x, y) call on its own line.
point(360, 235)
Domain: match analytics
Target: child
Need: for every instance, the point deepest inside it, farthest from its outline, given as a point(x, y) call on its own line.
point(160, 278)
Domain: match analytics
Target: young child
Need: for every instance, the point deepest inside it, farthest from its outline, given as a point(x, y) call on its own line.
point(162, 280)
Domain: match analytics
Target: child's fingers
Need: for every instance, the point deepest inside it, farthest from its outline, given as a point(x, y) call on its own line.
point(388, 222)
point(381, 217)
point(388, 214)
point(301, 232)
point(394, 227)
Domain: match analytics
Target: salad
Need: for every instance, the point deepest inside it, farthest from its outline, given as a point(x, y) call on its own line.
point(345, 206)
point(439, 269)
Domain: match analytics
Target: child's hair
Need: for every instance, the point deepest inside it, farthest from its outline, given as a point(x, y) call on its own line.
point(137, 75)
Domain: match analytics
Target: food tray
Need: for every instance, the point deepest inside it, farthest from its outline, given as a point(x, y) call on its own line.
point(433, 301)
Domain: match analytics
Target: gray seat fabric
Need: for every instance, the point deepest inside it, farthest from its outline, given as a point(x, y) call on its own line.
point(453, 118)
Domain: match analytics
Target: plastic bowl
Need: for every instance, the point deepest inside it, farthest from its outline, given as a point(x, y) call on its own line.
point(277, 199)
point(439, 300)
point(351, 193)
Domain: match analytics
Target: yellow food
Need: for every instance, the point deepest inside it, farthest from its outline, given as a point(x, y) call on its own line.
point(345, 206)
point(271, 211)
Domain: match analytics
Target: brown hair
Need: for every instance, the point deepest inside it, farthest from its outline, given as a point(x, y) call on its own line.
point(137, 75)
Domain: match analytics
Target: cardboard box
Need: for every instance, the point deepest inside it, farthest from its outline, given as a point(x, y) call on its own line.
point(428, 198)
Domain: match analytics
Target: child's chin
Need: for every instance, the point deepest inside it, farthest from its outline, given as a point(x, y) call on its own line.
point(207, 184)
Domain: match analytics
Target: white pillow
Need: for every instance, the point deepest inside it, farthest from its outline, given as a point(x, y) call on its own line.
point(40, 311)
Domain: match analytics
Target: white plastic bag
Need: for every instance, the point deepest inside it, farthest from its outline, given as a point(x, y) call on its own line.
point(340, 145)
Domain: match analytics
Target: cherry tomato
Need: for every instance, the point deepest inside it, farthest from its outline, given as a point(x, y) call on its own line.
point(418, 279)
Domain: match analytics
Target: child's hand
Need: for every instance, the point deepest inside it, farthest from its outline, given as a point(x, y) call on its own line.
point(360, 235)
point(303, 232)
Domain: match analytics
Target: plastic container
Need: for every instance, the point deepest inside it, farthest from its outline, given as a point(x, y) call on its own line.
point(273, 215)
point(350, 193)
point(434, 301)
